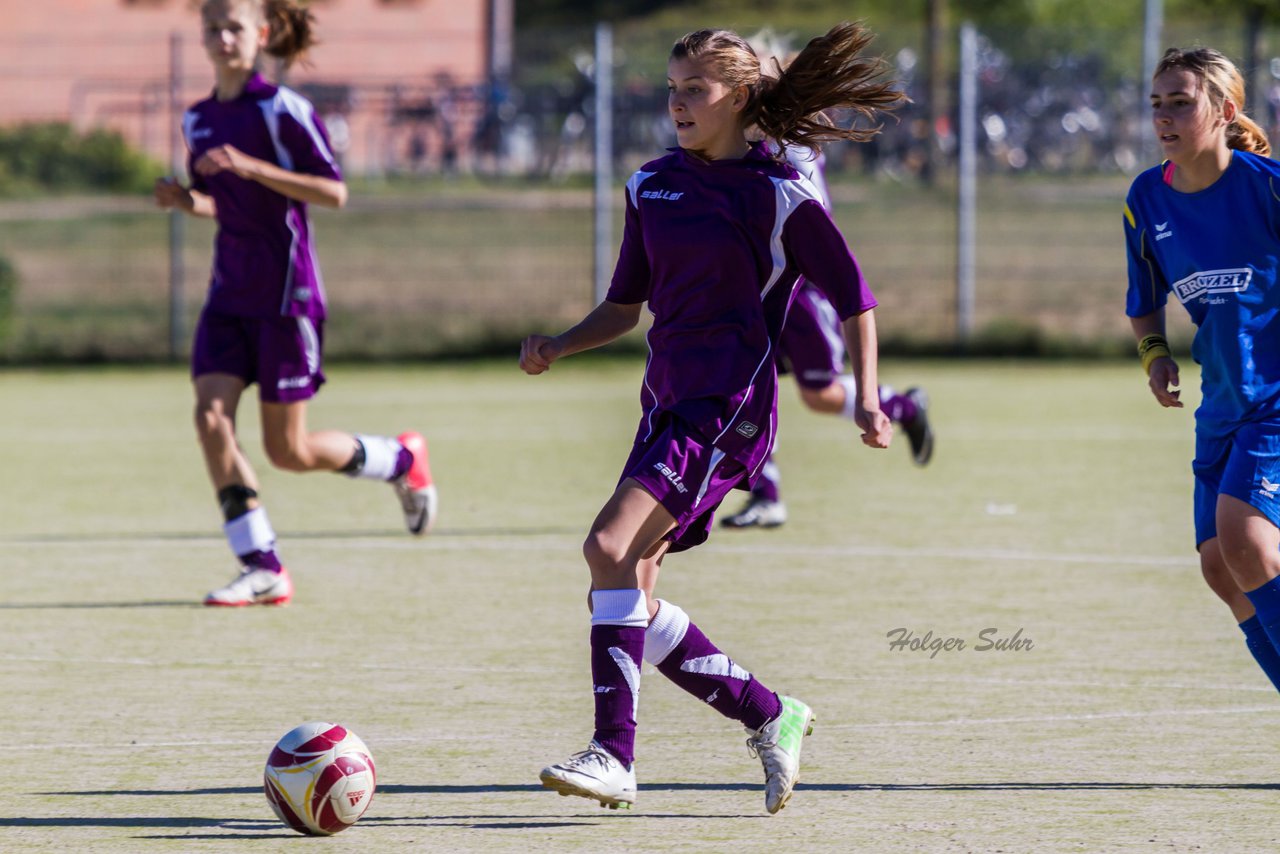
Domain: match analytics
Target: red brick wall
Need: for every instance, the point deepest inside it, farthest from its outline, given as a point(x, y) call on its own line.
point(106, 62)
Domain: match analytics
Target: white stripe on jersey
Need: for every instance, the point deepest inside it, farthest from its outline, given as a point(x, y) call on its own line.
point(830, 326)
point(189, 119)
point(716, 456)
point(293, 104)
point(633, 186)
point(788, 195)
point(270, 116)
point(809, 165)
point(310, 343)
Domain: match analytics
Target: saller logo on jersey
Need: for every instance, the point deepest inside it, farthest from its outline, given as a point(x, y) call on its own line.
point(1213, 282)
point(746, 428)
point(666, 195)
point(673, 476)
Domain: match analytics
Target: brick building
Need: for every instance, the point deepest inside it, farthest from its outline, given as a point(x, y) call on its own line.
point(397, 79)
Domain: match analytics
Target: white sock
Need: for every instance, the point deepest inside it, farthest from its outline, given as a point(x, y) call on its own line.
point(850, 395)
point(666, 630)
point(624, 607)
point(250, 533)
point(380, 454)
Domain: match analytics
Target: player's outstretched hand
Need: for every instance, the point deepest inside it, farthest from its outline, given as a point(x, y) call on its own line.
point(170, 194)
point(1164, 382)
point(877, 429)
point(224, 158)
point(537, 352)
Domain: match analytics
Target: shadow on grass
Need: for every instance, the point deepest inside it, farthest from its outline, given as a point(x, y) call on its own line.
point(498, 788)
point(36, 606)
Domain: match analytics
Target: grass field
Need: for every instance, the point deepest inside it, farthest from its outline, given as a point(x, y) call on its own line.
point(1058, 505)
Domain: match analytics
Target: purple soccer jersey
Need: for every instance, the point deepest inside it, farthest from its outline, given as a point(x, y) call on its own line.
point(812, 346)
point(264, 263)
point(717, 249)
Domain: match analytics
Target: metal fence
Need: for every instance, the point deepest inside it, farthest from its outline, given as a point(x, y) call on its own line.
point(472, 218)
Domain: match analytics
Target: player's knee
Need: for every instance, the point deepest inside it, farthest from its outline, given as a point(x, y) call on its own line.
point(211, 419)
point(810, 397)
point(605, 554)
point(286, 455)
point(1217, 574)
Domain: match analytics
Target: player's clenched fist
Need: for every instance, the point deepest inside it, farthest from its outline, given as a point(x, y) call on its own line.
point(537, 352)
point(170, 194)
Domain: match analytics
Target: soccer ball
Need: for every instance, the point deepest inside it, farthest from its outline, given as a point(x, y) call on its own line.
point(319, 778)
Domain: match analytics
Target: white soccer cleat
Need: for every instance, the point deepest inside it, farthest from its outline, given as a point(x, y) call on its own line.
point(415, 490)
point(757, 513)
point(777, 744)
point(254, 587)
point(594, 773)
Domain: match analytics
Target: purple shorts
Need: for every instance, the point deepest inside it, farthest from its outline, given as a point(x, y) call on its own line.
point(280, 354)
point(686, 473)
point(811, 346)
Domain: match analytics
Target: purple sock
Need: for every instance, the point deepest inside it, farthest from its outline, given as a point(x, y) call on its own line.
point(262, 560)
point(616, 652)
point(767, 487)
point(697, 666)
point(404, 459)
point(898, 407)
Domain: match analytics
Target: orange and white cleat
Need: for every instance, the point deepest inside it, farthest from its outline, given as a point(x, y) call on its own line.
point(254, 587)
point(415, 490)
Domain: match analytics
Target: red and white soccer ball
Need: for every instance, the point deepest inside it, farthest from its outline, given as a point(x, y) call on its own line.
point(319, 778)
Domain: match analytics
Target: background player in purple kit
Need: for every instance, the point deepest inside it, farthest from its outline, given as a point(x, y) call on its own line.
point(811, 348)
point(717, 235)
point(258, 155)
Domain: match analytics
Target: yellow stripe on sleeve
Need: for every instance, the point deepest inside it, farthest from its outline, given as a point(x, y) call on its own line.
point(1128, 215)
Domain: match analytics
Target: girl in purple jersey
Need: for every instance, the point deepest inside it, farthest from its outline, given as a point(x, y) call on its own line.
point(259, 155)
point(811, 350)
point(717, 235)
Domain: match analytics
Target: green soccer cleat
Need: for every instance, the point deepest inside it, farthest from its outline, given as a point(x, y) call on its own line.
point(777, 744)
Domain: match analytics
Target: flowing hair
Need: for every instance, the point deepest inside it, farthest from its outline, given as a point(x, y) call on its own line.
point(290, 27)
point(790, 104)
point(1222, 80)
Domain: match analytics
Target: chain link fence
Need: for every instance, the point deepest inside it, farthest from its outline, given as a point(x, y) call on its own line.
point(471, 219)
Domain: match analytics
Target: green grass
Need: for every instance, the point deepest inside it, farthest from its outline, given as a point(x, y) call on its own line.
point(424, 269)
point(1058, 504)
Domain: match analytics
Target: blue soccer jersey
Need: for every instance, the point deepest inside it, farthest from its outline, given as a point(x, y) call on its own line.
point(1218, 252)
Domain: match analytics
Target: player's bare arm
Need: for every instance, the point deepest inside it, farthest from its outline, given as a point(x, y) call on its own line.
point(860, 337)
point(1163, 370)
point(312, 189)
point(606, 322)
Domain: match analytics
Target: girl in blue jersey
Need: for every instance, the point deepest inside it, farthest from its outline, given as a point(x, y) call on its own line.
point(1205, 226)
point(258, 155)
point(718, 233)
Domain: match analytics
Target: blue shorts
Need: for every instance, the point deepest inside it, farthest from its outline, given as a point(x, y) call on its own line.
point(1244, 465)
point(281, 354)
point(688, 475)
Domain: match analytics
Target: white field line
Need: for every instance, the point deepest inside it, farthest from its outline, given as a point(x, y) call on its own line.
point(1041, 719)
point(284, 665)
point(560, 542)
